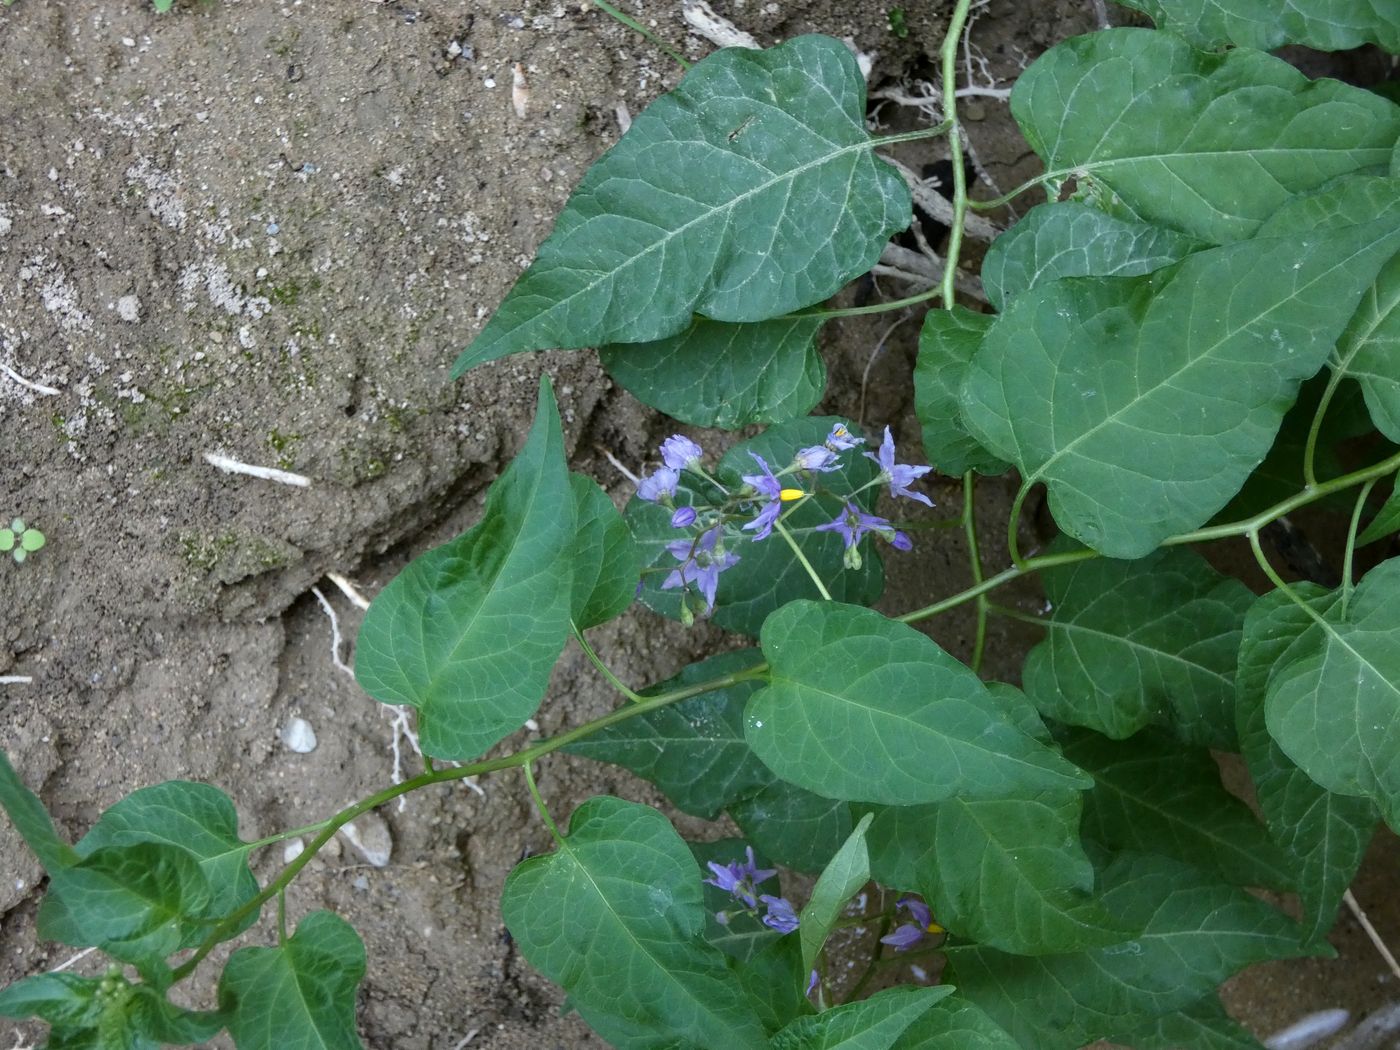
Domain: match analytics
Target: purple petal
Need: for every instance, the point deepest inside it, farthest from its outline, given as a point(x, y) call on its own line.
point(683, 518)
point(904, 938)
point(679, 452)
point(658, 486)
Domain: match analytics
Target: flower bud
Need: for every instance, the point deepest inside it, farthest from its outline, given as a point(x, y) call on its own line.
point(683, 518)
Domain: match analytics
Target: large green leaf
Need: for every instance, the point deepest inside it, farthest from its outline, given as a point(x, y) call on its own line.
point(1008, 873)
point(1143, 403)
point(58, 998)
point(1130, 644)
point(695, 750)
point(1209, 144)
point(614, 915)
point(1324, 834)
point(196, 819)
point(606, 562)
point(1153, 795)
point(470, 631)
point(1327, 25)
point(1196, 933)
point(947, 341)
point(725, 375)
point(797, 828)
point(1072, 239)
point(847, 872)
point(867, 709)
point(1334, 706)
point(956, 1024)
point(152, 1016)
point(768, 575)
point(749, 191)
point(299, 995)
point(870, 1024)
point(1203, 1025)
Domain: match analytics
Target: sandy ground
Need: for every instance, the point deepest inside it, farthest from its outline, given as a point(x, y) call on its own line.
point(263, 229)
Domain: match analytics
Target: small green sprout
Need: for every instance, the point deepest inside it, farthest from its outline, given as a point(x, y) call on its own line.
point(899, 26)
point(20, 541)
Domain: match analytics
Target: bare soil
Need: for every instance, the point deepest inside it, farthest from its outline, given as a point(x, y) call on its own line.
point(264, 228)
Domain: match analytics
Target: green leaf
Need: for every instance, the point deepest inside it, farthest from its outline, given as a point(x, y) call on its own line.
point(1153, 795)
point(797, 828)
point(1157, 124)
point(775, 984)
point(32, 820)
point(749, 191)
point(606, 562)
point(1334, 706)
point(58, 998)
point(870, 1024)
point(1327, 25)
point(767, 575)
point(1324, 834)
point(195, 819)
point(847, 872)
point(1008, 873)
point(695, 750)
point(947, 342)
point(1196, 933)
point(1202, 1026)
point(956, 1024)
point(1072, 239)
point(1131, 644)
point(299, 995)
point(163, 6)
point(1370, 347)
point(32, 540)
point(725, 375)
point(138, 903)
point(744, 935)
point(7, 540)
point(864, 708)
point(1143, 403)
point(470, 631)
point(614, 915)
point(151, 1015)
point(1387, 520)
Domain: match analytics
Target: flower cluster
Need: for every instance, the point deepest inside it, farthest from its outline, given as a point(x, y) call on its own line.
point(740, 880)
point(718, 519)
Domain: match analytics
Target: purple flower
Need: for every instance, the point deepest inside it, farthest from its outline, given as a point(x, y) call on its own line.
point(700, 565)
point(780, 915)
point(853, 523)
point(901, 542)
point(740, 879)
point(817, 457)
point(679, 452)
point(911, 933)
point(769, 487)
point(683, 518)
point(899, 475)
point(811, 983)
point(841, 439)
point(659, 487)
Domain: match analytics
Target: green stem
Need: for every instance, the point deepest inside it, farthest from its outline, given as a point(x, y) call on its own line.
point(282, 916)
point(603, 668)
point(637, 27)
point(1007, 198)
point(539, 803)
point(1006, 612)
point(913, 136)
point(950, 111)
point(1278, 581)
point(873, 308)
point(974, 556)
point(1310, 446)
point(1013, 544)
point(802, 559)
point(1347, 582)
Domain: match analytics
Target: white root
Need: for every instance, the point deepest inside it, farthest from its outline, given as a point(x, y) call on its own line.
point(233, 466)
point(520, 91)
point(1308, 1031)
point(38, 388)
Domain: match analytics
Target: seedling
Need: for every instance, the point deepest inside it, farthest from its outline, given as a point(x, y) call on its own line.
point(20, 541)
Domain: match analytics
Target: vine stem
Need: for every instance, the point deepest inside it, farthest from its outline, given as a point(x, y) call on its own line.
point(327, 828)
point(539, 803)
point(603, 668)
point(950, 109)
point(1348, 584)
point(802, 559)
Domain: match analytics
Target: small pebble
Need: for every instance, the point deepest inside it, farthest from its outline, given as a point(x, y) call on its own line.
point(370, 835)
point(129, 308)
point(292, 850)
point(298, 735)
point(273, 229)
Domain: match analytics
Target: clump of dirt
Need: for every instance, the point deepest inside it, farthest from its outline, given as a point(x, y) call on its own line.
point(263, 230)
